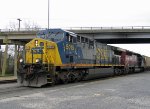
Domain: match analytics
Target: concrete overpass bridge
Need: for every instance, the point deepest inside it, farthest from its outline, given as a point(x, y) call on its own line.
point(116, 35)
point(130, 34)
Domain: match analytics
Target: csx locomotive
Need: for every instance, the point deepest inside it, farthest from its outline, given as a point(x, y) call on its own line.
point(57, 56)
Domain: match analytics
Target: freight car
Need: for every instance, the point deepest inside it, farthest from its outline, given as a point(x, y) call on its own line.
point(61, 56)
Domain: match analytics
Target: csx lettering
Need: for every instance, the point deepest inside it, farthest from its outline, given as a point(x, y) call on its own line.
point(101, 54)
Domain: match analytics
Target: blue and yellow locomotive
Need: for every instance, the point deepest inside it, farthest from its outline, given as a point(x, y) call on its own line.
point(61, 56)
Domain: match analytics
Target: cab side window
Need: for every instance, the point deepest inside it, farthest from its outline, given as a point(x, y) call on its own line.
point(70, 38)
point(74, 40)
point(82, 39)
point(86, 40)
point(78, 39)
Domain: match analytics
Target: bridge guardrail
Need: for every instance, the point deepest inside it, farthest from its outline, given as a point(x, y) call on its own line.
point(21, 29)
point(82, 28)
point(110, 28)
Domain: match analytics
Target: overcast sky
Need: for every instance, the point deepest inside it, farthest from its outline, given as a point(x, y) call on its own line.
point(78, 13)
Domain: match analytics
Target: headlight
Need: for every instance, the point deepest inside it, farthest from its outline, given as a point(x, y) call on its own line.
point(36, 42)
point(37, 60)
point(21, 60)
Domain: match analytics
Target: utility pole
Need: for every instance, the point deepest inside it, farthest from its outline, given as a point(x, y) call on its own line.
point(19, 23)
point(16, 52)
point(48, 14)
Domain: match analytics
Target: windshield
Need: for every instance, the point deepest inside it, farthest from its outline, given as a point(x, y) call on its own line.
point(52, 36)
point(37, 50)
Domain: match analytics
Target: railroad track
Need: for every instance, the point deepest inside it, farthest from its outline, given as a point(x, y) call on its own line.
point(7, 81)
point(13, 90)
point(6, 90)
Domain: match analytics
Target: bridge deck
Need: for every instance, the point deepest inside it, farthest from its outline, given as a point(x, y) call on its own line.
point(98, 33)
point(109, 29)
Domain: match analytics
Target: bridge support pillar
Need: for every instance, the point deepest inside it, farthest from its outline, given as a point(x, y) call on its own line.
point(15, 60)
point(24, 56)
point(5, 60)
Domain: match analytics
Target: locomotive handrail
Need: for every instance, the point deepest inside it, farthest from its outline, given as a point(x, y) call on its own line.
point(47, 59)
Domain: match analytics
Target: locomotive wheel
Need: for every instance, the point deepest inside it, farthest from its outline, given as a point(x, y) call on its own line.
point(80, 76)
point(63, 77)
point(65, 80)
point(117, 71)
point(127, 70)
point(124, 72)
point(73, 77)
point(120, 72)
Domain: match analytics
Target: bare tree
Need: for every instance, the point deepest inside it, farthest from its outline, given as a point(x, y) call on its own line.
point(31, 25)
point(27, 25)
point(12, 26)
point(11, 50)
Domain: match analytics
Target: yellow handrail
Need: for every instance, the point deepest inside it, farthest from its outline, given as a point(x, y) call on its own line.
point(48, 59)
